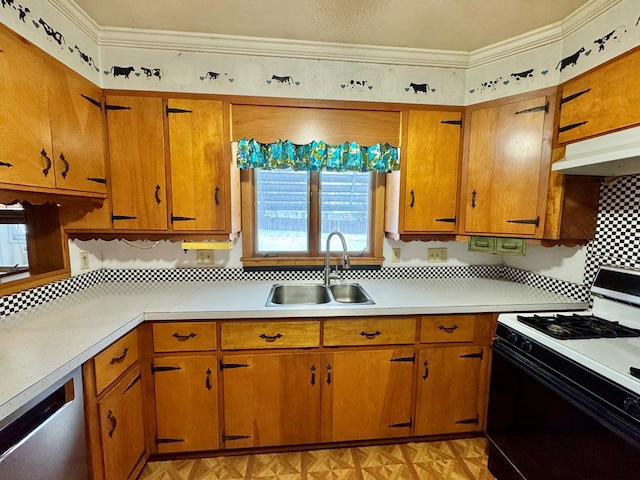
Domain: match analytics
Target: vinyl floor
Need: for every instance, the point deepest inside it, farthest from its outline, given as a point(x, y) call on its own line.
point(463, 459)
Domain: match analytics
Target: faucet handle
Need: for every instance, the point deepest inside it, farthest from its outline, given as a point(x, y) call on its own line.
point(346, 263)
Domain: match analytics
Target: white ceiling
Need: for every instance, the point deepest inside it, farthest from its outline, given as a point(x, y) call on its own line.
point(460, 25)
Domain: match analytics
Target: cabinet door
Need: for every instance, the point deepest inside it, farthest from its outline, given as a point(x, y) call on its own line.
point(25, 136)
point(186, 403)
point(430, 173)
point(78, 132)
point(450, 390)
point(199, 172)
point(367, 394)
point(136, 157)
point(602, 100)
point(507, 169)
point(121, 427)
point(271, 399)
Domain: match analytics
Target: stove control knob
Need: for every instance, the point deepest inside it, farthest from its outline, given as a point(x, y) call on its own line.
point(527, 346)
point(632, 406)
point(512, 337)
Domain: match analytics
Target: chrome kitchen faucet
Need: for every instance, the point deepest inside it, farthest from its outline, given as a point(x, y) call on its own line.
point(346, 264)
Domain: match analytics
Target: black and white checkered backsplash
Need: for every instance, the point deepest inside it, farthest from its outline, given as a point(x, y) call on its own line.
point(617, 240)
point(23, 300)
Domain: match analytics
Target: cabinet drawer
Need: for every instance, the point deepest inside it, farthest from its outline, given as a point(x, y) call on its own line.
point(270, 334)
point(115, 359)
point(447, 328)
point(369, 331)
point(184, 336)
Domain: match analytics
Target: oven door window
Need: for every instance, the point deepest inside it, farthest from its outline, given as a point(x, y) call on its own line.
point(537, 434)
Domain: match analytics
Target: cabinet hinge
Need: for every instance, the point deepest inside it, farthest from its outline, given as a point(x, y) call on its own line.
point(108, 107)
point(121, 217)
point(469, 421)
point(479, 355)
point(168, 440)
point(155, 369)
point(400, 425)
point(133, 382)
point(573, 96)
point(175, 110)
point(234, 437)
point(526, 221)
point(97, 180)
point(452, 122)
point(92, 101)
point(448, 220)
point(232, 365)
point(404, 359)
point(571, 126)
point(541, 108)
point(176, 218)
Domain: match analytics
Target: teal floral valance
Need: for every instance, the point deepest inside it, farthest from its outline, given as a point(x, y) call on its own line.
point(317, 155)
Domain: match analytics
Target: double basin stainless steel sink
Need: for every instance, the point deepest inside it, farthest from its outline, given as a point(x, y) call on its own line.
point(318, 294)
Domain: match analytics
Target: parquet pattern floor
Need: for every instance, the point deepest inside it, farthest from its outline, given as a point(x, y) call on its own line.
point(463, 459)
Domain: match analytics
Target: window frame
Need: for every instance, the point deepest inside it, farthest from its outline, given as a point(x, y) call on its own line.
point(315, 257)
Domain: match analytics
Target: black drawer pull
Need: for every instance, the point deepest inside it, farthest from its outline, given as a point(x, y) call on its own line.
point(183, 338)
point(271, 338)
point(120, 357)
point(448, 329)
point(426, 370)
point(370, 336)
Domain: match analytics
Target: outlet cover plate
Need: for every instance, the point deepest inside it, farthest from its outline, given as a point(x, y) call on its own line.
point(437, 255)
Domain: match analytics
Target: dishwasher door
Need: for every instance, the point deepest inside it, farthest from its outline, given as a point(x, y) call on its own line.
point(45, 439)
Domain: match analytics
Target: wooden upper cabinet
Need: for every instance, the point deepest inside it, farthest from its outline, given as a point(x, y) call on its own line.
point(200, 166)
point(430, 172)
point(602, 100)
point(78, 132)
point(25, 136)
point(506, 169)
point(137, 162)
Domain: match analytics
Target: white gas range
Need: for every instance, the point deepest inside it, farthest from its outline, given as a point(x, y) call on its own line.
point(564, 401)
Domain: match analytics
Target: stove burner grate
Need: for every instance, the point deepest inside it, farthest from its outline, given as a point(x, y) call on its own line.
point(577, 326)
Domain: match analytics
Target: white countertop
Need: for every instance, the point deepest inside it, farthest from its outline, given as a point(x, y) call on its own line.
point(41, 345)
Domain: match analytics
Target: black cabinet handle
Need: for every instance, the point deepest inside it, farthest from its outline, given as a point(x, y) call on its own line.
point(183, 338)
point(113, 421)
point(473, 199)
point(66, 166)
point(48, 160)
point(527, 221)
point(207, 382)
point(370, 336)
point(270, 338)
point(313, 374)
point(157, 194)
point(6, 164)
point(426, 370)
point(216, 196)
point(446, 220)
point(448, 329)
point(413, 199)
point(329, 374)
point(120, 357)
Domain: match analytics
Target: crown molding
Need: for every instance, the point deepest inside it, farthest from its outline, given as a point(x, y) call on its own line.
point(279, 48)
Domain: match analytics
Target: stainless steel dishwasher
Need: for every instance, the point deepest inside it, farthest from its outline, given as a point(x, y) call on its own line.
point(45, 439)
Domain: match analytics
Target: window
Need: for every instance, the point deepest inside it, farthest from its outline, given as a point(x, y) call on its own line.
point(13, 240)
point(293, 213)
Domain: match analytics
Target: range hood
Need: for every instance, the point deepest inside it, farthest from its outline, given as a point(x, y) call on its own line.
point(609, 155)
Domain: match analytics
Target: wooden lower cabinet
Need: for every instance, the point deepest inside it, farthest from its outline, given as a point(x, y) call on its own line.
point(121, 427)
point(450, 392)
point(367, 394)
point(186, 391)
point(271, 399)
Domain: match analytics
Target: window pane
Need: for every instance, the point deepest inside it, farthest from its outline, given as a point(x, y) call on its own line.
point(13, 238)
point(282, 211)
point(345, 206)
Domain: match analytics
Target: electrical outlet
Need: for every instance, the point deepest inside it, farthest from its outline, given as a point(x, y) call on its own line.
point(205, 257)
point(84, 260)
point(395, 255)
point(436, 255)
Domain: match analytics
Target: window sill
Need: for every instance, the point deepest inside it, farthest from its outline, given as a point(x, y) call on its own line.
point(307, 262)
